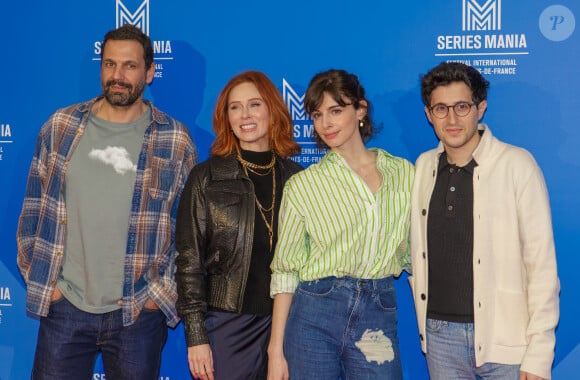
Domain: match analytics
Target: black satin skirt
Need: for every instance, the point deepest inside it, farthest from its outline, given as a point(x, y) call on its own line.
point(239, 345)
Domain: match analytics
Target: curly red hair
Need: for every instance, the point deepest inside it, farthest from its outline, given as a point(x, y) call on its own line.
point(281, 133)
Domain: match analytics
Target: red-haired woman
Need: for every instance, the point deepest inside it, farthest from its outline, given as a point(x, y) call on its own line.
point(226, 231)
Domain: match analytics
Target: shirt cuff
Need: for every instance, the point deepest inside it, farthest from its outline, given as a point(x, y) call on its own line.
point(283, 283)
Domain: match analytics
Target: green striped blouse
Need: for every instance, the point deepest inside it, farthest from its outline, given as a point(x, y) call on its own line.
point(331, 224)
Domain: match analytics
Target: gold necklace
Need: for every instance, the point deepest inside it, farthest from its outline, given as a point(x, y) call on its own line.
point(268, 171)
point(251, 165)
point(261, 209)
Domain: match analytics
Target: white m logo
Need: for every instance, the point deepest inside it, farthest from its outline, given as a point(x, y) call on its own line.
point(140, 18)
point(481, 17)
point(294, 102)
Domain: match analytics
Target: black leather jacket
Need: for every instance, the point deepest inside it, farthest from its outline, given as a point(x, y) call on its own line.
point(214, 236)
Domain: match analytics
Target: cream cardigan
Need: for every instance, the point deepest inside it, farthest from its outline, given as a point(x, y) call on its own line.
point(516, 286)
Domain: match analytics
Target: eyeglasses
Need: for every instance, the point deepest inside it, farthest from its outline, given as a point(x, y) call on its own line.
point(441, 110)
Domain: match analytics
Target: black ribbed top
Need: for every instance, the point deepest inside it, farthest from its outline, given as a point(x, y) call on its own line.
point(257, 292)
point(450, 244)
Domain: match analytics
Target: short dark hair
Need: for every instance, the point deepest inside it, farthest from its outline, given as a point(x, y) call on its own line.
point(448, 72)
point(339, 84)
point(131, 32)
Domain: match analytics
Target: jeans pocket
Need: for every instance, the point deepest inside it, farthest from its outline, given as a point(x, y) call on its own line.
point(60, 307)
point(57, 301)
point(386, 299)
point(318, 288)
point(434, 325)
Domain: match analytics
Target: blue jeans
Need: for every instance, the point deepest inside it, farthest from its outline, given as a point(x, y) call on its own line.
point(343, 327)
point(69, 340)
point(451, 354)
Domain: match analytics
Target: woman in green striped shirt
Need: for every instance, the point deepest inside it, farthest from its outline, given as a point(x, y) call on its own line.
point(343, 236)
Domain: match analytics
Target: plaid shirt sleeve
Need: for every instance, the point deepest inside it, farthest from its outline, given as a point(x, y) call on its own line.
point(42, 223)
point(30, 214)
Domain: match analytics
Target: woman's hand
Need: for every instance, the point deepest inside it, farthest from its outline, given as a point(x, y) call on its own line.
point(200, 361)
point(277, 367)
point(277, 364)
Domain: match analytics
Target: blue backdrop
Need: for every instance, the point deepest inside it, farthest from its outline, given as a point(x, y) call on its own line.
point(529, 50)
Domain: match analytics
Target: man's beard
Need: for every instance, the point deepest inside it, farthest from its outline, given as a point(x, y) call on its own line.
point(123, 98)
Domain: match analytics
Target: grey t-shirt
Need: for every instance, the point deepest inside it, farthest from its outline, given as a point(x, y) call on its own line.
point(98, 194)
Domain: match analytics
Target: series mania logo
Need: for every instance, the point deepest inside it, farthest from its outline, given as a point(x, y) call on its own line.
point(302, 123)
point(140, 18)
point(5, 300)
point(481, 23)
point(5, 138)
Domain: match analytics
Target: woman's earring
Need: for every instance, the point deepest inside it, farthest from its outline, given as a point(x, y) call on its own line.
point(361, 123)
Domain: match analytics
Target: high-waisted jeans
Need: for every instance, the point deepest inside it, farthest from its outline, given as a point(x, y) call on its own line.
point(343, 327)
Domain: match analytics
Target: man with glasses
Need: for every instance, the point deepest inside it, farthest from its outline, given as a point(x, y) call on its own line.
point(484, 282)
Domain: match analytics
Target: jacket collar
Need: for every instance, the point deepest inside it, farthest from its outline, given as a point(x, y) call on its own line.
point(486, 144)
point(227, 167)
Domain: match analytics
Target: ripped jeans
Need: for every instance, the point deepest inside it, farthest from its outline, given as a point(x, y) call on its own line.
point(343, 327)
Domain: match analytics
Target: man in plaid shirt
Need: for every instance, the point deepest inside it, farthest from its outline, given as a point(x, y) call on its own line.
point(96, 232)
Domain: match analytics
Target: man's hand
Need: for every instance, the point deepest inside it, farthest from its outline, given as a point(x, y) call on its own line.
point(56, 294)
point(151, 305)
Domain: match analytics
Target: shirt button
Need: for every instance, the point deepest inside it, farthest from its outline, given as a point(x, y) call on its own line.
point(450, 207)
point(59, 253)
point(423, 296)
point(424, 255)
point(452, 188)
point(424, 212)
point(421, 337)
point(451, 170)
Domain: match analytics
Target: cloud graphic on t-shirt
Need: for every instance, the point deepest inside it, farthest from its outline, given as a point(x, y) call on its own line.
point(117, 157)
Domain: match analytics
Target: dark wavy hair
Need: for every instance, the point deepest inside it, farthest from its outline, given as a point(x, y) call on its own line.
point(448, 72)
point(281, 133)
point(131, 32)
point(345, 89)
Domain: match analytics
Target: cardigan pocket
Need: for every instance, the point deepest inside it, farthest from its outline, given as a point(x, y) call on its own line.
point(511, 318)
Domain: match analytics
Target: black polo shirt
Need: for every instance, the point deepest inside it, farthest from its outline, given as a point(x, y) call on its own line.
point(450, 243)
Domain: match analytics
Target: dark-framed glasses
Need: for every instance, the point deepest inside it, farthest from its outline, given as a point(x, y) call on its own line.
point(441, 110)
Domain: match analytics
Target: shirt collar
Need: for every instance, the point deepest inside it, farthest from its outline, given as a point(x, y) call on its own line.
point(444, 164)
point(336, 158)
